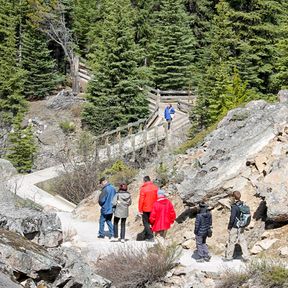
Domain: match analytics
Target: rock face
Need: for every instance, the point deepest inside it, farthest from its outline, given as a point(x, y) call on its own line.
point(247, 152)
point(42, 228)
point(6, 169)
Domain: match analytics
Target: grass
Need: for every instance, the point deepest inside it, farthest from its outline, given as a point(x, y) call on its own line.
point(261, 273)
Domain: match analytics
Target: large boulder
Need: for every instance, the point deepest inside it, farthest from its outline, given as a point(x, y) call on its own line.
point(246, 152)
point(6, 170)
point(42, 228)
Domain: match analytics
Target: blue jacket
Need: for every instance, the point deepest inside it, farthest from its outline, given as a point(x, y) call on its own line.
point(105, 199)
point(167, 113)
point(203, 223)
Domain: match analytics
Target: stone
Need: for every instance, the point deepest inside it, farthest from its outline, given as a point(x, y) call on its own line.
point(238, 156)
point(42, 228)
point(7, 170)
point(265, 244)
point(27, 258)
point(256, 249)
point(188, 235)
point(283, 251)
point(7, 282)
point(225, 202)
point(283, 96)
point(265, 235)
point(189, 244)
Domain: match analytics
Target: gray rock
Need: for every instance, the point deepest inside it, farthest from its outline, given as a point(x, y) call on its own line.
point(6, 282)
point(27, 258)
point(76, 271)
point(225, 163)
point(7, 170)
point(283, 96)
point(42, 228)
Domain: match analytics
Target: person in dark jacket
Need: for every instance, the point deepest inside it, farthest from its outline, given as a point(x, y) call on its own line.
point(121, 202)
point(236, 235)
point(105, 201)
point(203, 224)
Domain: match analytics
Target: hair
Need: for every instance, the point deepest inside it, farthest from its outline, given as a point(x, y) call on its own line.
point(102, 179)
point(123, 187)
point(237, 195)
point(146, 179)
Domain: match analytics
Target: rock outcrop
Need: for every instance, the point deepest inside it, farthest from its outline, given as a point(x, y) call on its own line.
point(247, 152)
point(42, 228)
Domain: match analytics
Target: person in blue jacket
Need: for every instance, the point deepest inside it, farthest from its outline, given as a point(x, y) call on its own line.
point(105, 201)
point(169, 114)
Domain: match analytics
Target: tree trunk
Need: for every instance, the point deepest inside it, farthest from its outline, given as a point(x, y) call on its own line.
point(75, 75)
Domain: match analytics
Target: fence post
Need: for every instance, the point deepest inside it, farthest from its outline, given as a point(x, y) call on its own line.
point(156, 138)
point(166, 134)
point(120, 143)
point(158, 98)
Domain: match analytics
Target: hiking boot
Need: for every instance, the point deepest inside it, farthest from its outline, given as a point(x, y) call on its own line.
point(122, 240)
point(207, 259)
point(150, 240)
point(227, 259)
point(100, 236)
point(200, 260)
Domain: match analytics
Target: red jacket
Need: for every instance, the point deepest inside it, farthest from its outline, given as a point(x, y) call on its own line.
point(148, 195)
point(163, 215)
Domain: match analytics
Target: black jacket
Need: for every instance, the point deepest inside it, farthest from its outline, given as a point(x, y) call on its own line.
point(235, 213)
point(203, 222)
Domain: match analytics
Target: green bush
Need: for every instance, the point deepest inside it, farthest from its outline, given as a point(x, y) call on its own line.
point(67, 127)
point(119, 173)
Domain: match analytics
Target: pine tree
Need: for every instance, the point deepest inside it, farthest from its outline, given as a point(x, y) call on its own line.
point(39, 65)
point(22, 147)
point(115, 93)
point(172, 46)
point(12, 77)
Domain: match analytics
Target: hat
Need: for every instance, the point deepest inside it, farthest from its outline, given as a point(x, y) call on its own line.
point(203, 205)
point(161, 192)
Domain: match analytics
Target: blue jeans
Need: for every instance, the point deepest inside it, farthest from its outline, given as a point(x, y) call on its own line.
point(105, 218)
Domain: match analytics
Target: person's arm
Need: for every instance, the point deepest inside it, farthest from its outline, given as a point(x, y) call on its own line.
point(114, 201)
point(129, 201)
point(141, 201)
point(232, 216)
point(102, 197)
point(172, 110)
point(197, 224)
point(152, 217)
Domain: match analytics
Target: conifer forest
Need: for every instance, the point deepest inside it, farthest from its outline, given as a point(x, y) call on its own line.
point(227, 52)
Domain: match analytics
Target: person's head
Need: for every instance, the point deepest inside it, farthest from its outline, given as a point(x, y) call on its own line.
point(237, 195)
point(161, 193)
point(103, 181)
point(123, 187)
point(170, 105)
point(146, 179)
point(203, 207)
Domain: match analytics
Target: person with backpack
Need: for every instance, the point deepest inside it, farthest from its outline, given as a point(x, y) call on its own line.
point(105, 201)
point(121, 202)
point(148, 196)
point(203, 229)
point(240, 218)
point(162, 215)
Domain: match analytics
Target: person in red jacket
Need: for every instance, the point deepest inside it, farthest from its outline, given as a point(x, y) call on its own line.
point(148, 195)
point(162, 215)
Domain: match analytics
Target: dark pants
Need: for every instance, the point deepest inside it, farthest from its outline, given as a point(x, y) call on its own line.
point(169, 123)
point(123, 222)
point(147, 229)
point(202, 248)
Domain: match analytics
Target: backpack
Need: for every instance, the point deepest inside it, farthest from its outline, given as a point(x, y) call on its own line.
point(245, 215)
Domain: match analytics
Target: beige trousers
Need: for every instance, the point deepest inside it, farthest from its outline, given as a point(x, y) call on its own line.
point(237, 236)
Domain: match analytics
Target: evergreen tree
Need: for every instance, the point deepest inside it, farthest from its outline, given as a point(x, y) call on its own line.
point(12, 77)
point(172, 46)
point(115, 94)
point(37, 61)
point(22, 147)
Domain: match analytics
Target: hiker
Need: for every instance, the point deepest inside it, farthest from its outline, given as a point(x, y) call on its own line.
point(236, 232)
point(162, 215)
point(105, 201)
point(148, 195)
point(203, 229)
point(169, 113)
point(121, 202)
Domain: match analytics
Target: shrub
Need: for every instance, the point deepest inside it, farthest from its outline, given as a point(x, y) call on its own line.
point(162, 177)
point(262, 273)
point(67, 127)
point(120, 172)
point(138, 268)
